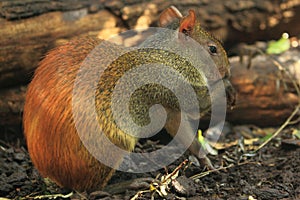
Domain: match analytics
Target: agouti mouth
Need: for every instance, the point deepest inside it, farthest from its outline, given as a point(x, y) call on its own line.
point(230, 96)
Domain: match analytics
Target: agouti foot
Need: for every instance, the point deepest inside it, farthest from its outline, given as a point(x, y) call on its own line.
point(205, 161)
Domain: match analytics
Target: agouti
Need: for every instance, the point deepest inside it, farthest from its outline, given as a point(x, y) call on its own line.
point(52, 139)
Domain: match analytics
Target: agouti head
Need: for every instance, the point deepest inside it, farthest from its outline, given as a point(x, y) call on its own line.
point(52, 128)
point(186, 47)
point(190, 26)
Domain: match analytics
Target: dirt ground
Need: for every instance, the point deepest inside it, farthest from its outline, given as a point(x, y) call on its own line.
point(272, 173)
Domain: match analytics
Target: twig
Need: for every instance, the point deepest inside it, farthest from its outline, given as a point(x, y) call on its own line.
point(286, 123)
point(197, 176)
point(50, 196)
point(160, 186)
point(296, 110)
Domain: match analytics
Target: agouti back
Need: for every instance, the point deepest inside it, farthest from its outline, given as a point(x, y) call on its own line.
point(52, 139)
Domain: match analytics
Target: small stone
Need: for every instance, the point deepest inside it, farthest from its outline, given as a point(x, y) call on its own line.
point(19, 156)
point(185, 186)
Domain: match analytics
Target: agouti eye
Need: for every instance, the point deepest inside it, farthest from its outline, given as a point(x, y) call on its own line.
point(213, 49)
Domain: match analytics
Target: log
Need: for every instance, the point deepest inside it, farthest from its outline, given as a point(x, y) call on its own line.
point(11, 106)
point(266, 96)
point(30, 28)
point(25, 42)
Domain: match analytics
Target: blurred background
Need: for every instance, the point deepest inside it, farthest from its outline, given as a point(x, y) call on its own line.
point(257, 34)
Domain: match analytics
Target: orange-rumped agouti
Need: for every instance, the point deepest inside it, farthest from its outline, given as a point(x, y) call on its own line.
point(52, 139)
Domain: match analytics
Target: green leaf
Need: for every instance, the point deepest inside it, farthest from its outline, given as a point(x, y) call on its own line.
point(279, 46)
point(266, 137)
point(296, 132)
point(205, 144)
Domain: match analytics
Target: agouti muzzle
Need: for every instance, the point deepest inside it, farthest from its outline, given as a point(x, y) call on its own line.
point(53, 142)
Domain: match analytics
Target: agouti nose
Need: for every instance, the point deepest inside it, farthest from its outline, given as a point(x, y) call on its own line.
point(230, 93)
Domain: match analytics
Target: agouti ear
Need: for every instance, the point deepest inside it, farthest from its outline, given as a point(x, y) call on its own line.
point(187, 23)
point(169, 15)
